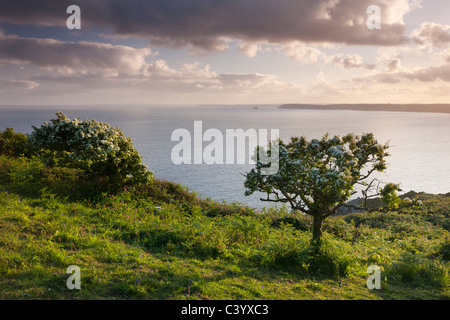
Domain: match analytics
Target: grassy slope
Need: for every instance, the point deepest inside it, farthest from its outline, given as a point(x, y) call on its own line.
point(161, 242)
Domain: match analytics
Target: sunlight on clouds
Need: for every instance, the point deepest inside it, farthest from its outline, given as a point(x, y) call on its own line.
point(300, 52)
point(235, 51)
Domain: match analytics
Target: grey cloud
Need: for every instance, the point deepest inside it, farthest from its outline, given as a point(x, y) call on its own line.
point(206, 24)
point(97, 65)
point(72, 57)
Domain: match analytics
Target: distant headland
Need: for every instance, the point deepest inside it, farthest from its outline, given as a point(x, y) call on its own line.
point(434, 108)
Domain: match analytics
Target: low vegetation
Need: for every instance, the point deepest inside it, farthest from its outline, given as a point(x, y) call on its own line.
point(159, 240)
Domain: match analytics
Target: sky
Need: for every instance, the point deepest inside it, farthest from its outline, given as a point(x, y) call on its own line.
point(224, 52)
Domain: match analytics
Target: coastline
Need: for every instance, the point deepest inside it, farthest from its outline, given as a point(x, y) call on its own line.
point(431, 108)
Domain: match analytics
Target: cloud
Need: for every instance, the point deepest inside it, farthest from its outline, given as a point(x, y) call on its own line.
point(250, 49)
point(208, 24)
point(391, 57)
point(444, 54)
point(304, 54)
point(91, 59)
point(72, 58)
point(300, 52)
point(17, 85)
point(249, 84)
point(394, 65)
point(194, 71)
point(100, 67)
point(432, 34)
point(426, 74)
point(350, 61)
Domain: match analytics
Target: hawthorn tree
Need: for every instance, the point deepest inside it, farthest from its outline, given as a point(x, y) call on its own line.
point(317, 177)
point(100, 149)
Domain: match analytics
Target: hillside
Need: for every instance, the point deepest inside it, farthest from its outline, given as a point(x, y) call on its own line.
point(160, 241)
point(434, 108)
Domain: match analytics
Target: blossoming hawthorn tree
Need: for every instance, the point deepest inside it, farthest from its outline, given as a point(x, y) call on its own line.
point(317, 177)
point(98, 148)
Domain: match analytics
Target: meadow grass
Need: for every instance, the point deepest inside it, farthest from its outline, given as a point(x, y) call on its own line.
point(161, 241)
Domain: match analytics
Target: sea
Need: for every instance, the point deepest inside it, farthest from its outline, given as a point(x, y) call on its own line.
point(419, 142)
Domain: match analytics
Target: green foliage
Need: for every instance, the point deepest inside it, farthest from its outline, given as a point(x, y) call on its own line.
point(95, 147)
point(416, 271)
point(12, 144)
point(159, 240)
point(130, 248)
point(393, 201)
point(31, 178)
point(319, 174)
point(445, 251)
point(286, 249)
point(330, 259)
point(317, 177)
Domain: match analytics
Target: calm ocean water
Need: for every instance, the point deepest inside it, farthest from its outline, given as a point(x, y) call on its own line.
point(419, 142)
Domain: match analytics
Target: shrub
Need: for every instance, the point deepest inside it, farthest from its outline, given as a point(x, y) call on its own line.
point(12, 144)
point(330, 259)
point(298, 221)
point(98, 148)
point(445, 251)
point(286, 249)
point(31, 178)
point(163, 191)
point(295, 252)
point(416, 271)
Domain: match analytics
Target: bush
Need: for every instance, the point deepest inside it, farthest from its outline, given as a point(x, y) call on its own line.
point(29, 177)
point(330, 259)
point(297, 220)
point(445, 251)
point(287, 248)
point(163, 191)
point(294, 252)
point(97, 148)
point(415, 271)
point(12, 144)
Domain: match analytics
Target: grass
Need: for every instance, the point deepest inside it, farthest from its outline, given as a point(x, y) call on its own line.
point(161, 241)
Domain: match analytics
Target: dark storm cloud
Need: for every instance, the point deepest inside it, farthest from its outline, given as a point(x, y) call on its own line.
point(207, 23)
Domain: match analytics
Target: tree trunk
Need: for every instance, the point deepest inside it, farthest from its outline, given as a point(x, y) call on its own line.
point(317, 228)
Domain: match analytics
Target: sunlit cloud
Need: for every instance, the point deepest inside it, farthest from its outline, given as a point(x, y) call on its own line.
point(230, 51)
